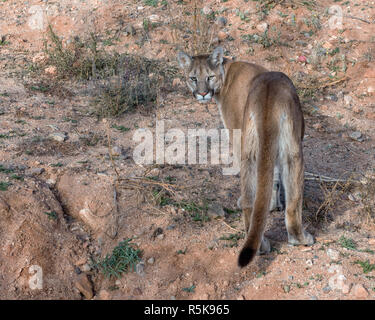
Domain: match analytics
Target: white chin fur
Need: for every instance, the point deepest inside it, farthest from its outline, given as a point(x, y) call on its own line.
point(206, 98)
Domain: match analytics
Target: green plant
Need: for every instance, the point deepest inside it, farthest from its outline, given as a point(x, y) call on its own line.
point(347, 243)
point(51, 214)
point(123, 258)
point(4, 185)
point(366, 265)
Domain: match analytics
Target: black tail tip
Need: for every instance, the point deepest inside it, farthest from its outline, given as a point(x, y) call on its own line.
point(245, 257)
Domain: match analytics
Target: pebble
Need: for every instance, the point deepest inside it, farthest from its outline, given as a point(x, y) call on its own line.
point(161, 236)
point(151, 260)
point(360, 291)
point(116, 151)
point(286, 288)
point(222, 21)
point(35, 171)
point(207, 10)
point(85, 268)
point(215, 209)
point(333, 254)
point(222, 35)
point(327, 289)
point(139, 268)
point(58, 136)
point(309, 262)
point(356, 135)
point(348, 99)
point(262, 27)
point(84, 286)
point(104, 295)
point(154, 18)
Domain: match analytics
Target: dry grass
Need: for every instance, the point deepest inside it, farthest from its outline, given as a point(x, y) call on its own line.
point(192, 30)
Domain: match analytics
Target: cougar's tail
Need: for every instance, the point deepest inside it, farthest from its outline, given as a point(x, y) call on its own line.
point(268, 145)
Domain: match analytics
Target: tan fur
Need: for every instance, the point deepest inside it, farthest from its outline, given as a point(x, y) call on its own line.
point(265, 106)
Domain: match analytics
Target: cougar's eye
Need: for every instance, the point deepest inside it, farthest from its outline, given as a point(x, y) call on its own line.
point(210, 78)
point(193, 79)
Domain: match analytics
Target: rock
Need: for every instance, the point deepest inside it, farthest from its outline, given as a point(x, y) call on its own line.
point(154, 18)
point(360, 291)
point(222, 35)
point(35, 171)
point(333, 254)
point(84, 286)
point(207, 10)
point(58, 136)
point(215, 209)
point(262, 27)
point(85, 268)
point(116, 151)
point(348, 99)
point(346, 288)
point(221, 21)
point(104, 295)
point(51, 70)
point(371, 89)
point(309, 262)
point(327, 289)
point(160, 236)
point(139, 268)
point(356, 135)
point(130, 30)
point(40, 58)
point(176, 82)
point(286, 288)
point(151, 260)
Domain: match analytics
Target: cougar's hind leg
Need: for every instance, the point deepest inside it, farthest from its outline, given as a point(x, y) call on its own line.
point(293, 178)
point(276, 203)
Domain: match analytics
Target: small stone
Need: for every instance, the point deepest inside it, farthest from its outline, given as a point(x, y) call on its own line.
point(104, 295)
point(84, 286)
point(346, 288)
point(222, 21)
point(207, 10)
point(58, 136)
point(116, 151)
point(333, 254)
point(118, 282)
point(309, 262)
point(160, 236)
point(154, 18)
point(348, 99)
point(85, 268)
point(130, 30)
point(176, 82)
point(360, 291)
point(139, 268)
point(262, 27)
point(356, 135)
point(286, 288)
point(371, 89)
point(313, 298)
point(52, 70)
point(151, 260)
point(215, 209)
point(35, 171)
point(222, 35)
point(327, 289)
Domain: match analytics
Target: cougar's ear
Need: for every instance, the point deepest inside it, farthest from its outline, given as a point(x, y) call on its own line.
point(184, 60)
point(217, 56)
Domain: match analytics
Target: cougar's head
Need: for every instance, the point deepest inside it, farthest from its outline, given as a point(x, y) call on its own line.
point(204, 73)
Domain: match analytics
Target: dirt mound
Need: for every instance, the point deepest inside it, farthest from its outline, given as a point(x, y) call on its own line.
point(38, 251)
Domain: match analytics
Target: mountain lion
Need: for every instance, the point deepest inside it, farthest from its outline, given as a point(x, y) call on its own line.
point(266, 107)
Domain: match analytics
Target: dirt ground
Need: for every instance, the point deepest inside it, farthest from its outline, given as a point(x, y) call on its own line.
point(62, 204)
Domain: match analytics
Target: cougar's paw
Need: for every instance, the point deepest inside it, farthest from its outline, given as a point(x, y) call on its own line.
point(307, 239)
point(265, 246)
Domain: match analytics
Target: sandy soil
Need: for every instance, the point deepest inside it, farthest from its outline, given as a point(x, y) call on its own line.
point(60, 206)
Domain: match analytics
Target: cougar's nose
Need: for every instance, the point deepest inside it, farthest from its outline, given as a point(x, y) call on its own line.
point(203, 93)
